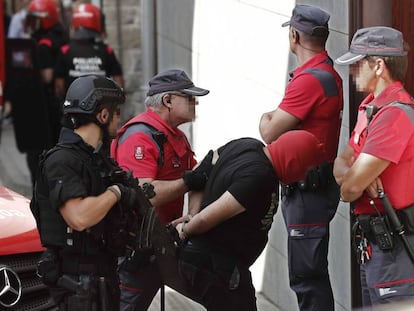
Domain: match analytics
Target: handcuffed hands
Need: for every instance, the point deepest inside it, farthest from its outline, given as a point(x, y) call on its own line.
point(179, 224)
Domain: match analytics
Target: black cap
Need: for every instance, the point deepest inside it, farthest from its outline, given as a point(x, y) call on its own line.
point(174, 80)
point(378, 41)
point(310, 20)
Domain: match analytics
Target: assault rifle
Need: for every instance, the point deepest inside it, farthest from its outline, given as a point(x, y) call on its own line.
point(151, 234)
point(144, 211)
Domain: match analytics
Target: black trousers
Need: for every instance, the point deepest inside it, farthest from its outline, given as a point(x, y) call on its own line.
point(307, 216)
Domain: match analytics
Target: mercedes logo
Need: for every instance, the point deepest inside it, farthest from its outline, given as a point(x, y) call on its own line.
point(10, 287)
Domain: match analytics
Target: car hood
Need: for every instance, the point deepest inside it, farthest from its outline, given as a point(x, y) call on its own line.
point(18, 231)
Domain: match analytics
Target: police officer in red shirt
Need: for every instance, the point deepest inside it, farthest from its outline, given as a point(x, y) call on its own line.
point(157, 152)
point(313, 101)
point(86, 53)
point(379, 157)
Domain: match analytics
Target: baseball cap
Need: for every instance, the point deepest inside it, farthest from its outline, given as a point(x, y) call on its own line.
point(378, 41)
point(174, 80)
point(310, 20)
point(293, 154)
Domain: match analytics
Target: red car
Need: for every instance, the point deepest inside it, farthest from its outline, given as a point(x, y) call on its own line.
point(20, 248)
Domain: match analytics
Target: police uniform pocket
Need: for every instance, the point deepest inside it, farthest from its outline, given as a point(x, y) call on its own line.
point(308, 247)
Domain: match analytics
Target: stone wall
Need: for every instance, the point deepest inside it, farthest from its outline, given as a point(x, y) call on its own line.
point(124, 36)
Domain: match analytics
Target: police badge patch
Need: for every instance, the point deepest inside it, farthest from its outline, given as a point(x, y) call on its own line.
point(139, 152)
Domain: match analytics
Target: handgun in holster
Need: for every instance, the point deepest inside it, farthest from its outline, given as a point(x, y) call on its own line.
point(48, 267)
point(82, 291)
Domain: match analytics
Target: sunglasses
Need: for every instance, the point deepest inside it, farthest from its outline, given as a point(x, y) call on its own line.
point(189, 97)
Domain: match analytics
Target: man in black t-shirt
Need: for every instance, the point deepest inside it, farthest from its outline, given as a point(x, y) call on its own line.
point(227, 225)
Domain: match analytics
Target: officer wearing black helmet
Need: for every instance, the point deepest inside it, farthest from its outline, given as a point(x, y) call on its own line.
point(80, 210)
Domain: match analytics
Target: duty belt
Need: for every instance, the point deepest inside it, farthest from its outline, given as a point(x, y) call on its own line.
point(376, 229)
point(316, 179)
point(78, 266)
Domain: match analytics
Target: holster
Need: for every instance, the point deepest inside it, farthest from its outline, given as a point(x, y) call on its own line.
point(49, 267)
point(84, 293)
point(363, 221)
point(317, 178)
point(79, 302)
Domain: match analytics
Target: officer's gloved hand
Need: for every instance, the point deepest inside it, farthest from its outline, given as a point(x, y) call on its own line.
point(128, 196)
point(197, 178)
point(148, 190)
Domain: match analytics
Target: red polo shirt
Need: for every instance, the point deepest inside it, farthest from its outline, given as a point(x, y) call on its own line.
point(139, 153)
point(390, 137)
point(314, 96)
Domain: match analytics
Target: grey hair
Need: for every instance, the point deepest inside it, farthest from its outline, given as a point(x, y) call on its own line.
point(155, 101)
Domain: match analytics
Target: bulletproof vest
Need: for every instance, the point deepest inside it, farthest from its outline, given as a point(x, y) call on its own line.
point(112, 233)
point(50, 224)
point(52, 228)
point(85, 57)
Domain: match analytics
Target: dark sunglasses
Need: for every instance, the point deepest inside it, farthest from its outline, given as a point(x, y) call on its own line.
point(189, 97)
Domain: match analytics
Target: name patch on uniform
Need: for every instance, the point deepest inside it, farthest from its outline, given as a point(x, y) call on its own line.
point(139, 152)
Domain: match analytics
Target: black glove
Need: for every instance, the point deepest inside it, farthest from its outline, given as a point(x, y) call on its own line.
point(128, 197)
point(148, 190)
point(197, 179)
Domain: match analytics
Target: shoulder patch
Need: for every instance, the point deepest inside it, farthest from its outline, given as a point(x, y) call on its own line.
point(65, 48)
point(158, 138)
point(139, 152)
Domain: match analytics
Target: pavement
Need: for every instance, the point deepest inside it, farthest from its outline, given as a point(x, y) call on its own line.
point(14, 174)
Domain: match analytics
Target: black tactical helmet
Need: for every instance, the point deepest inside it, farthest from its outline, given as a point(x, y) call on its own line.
point(88, 92)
